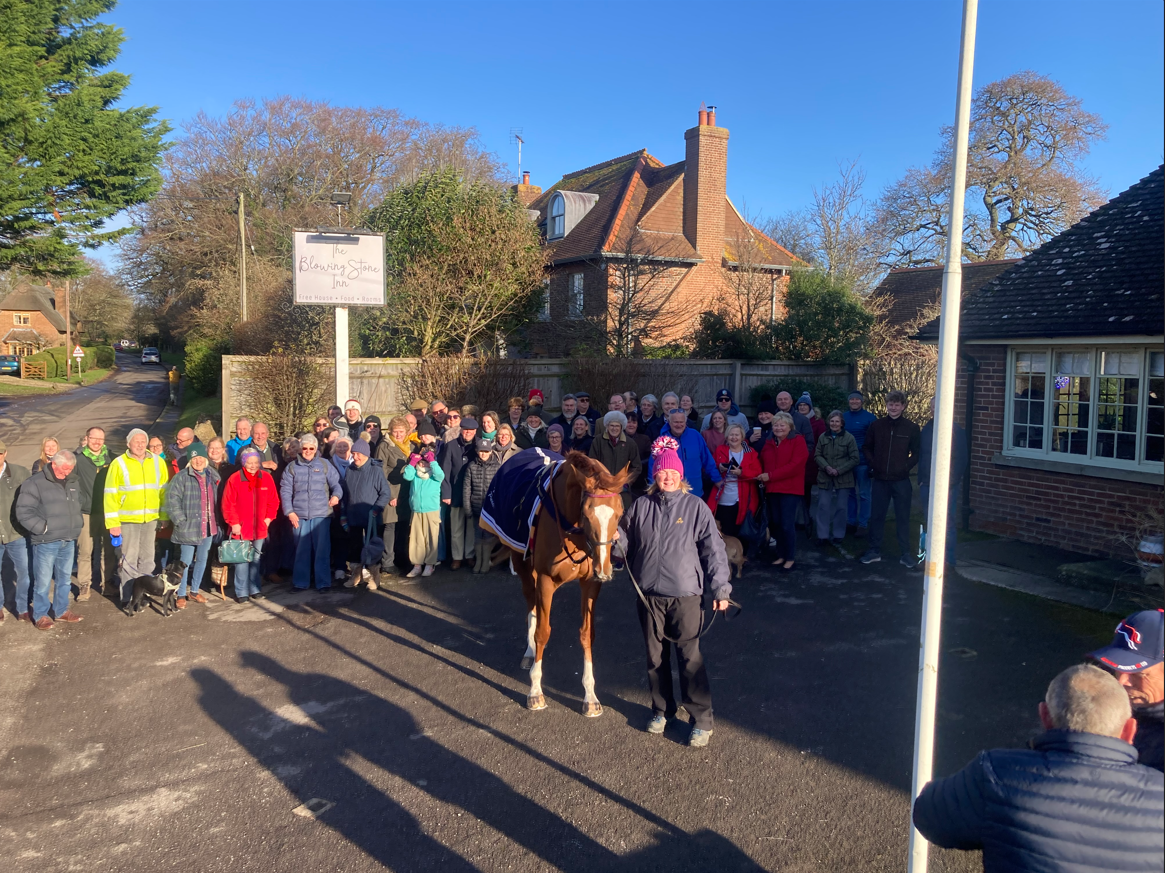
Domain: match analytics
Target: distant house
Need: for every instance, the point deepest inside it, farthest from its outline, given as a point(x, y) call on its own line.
point(677, 216)
point(30, 321)
point(911, 291)
point(1062, 380)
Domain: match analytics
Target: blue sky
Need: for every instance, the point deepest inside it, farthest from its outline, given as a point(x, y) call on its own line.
point(801, 86)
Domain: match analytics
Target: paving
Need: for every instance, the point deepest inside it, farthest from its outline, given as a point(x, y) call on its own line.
point(369, 730)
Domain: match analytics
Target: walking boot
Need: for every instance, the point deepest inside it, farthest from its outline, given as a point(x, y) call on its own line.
point(374, 577)
point(354, 578)
point(83, 593)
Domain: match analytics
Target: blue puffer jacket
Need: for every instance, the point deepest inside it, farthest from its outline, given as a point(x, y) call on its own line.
point(365, 491)
point(1073, 802)
point(696, 457)
point(307, 486)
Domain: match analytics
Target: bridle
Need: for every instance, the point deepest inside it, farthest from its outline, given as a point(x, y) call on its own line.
point(590, 545)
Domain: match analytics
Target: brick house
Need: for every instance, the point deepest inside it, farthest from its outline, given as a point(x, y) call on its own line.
point(1062, 381)
point(910, 291)
point(674, 225)
point(31, 321)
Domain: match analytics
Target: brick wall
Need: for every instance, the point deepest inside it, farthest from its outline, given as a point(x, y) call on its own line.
point(1081, 513)
point(38, 322)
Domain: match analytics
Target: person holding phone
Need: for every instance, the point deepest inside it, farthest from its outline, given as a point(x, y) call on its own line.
point(736, 496)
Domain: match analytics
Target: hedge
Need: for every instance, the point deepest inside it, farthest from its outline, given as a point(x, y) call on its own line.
point(826, 397)
point(95, 357)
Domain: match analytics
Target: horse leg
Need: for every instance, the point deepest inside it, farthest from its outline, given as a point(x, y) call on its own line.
point(529, 591)
point(535, 699)
point(590, 588)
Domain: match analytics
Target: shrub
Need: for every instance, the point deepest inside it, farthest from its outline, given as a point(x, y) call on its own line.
point(486, 382)
point(104, 357)
point(916, 375)
point(291, 388)
point(204, 364)
point(826, 397)
point(56, 357)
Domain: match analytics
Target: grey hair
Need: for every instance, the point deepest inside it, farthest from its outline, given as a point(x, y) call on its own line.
point(64, 456)
point(673, 395)
point(309, 439)
point(837, 413)
point(291, 446)
point(786, 418)
point(615, 415)
point(1088, 700)
point(242, 418)
point(649, 398)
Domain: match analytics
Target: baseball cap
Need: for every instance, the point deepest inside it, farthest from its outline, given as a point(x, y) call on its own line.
point(723, 394)
point(1138, 643)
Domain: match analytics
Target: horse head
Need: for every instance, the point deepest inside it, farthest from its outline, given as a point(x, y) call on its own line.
point(601, 503)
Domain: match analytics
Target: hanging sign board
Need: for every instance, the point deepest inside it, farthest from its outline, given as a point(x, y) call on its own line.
point(339, 268)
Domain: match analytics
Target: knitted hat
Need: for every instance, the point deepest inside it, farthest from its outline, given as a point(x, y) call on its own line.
point(857, 394)
point(534, 411)
point(615, 415)
point(372, 419)
point(424, 426)
point(766, 406)
point(352, 404)
point(663, 452)
point(556, 428)
point(535, 398)
point(247, 452)
point(196, 450)
point(806, 399)
point(362, 447)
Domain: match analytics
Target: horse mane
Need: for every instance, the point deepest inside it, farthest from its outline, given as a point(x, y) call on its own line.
point(589, 468)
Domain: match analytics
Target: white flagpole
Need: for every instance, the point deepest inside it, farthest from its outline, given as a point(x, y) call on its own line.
point(940, 471)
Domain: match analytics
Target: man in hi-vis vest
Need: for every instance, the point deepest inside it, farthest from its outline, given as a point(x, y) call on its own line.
point(134, 493)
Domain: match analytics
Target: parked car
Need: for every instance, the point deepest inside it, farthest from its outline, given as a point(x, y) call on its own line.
point(117, 347)
point(9, 365)
point(150, 356)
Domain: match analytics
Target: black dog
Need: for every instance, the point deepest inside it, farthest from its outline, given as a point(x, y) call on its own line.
point(164, 585)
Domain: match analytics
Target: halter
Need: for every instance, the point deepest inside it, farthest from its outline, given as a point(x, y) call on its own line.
point(588, 548)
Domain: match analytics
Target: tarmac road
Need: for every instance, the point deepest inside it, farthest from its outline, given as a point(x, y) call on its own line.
point(132, 397)
point(186, 743)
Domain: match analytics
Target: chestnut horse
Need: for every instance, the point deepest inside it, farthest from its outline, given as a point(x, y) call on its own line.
point(573, 534)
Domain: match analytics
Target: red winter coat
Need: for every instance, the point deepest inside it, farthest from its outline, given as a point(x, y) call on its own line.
point(749, 469)
point(785, 464)
point(247, 500)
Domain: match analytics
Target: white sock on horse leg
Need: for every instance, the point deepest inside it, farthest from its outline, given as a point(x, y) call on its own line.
point(531, 624)
point(536, 679)
point(588, 680)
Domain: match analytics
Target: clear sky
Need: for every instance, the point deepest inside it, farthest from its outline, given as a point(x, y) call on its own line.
point(801, 86)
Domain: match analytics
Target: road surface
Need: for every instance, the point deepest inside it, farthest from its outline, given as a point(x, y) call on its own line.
point(151, 744)
point(132, 397)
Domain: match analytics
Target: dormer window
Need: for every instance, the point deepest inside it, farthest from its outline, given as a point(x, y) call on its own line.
point(557, 218)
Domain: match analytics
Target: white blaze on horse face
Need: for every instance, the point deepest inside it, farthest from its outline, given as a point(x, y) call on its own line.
point(604, 516)
point(589, 683)
point(531, 624)
point(536, 679)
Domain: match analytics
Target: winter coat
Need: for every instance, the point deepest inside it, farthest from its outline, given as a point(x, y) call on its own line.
point(365, 490)
point(392, 463)
point(580, 444)
point(564, 423)
point(785, 464)
point(233, 446)
point(1150, 736)
point(135, 490)
point(424, 486)
point(92, 480)
point(185, 505)
point(453, 458)
point(891, 448)
point(10, 481)
point(696, 458)
point(804, 427)
point(818, 426)
point(270, 452)
point(734, 416)
point(652, 427)
point(839, 451)
point(504, 454)
point(714, 438)
point(958, 453)
point(748, 498)
point(625, 452)
point(247, 500)
point(346, 428)
point(524, 440)
point(673, 547)
point(858, 423)
point(307, 486)
point(1073, 802)
point(50, 508)
point(475, 482)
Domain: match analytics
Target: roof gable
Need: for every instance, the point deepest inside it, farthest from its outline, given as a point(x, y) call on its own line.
point(38, 298)
point(910, 290)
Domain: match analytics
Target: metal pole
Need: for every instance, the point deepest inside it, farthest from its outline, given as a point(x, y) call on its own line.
point(342, 394)
point(68, 337)
point(940, 471)
point(242, 261)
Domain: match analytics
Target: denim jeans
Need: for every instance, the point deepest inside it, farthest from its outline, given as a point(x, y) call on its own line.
point(17, 552)
point(858, 511)
point(52, 566)
point(194, 557)
point(248, 579)
point(952, 518)
point(313, 550)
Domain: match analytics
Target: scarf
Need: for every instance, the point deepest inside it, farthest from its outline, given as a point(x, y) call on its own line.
point(100, 458)
point(489, 435)
point(206, 494)
point(404, 445)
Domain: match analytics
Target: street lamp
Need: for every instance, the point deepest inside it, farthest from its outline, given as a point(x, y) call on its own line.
point(341, 199)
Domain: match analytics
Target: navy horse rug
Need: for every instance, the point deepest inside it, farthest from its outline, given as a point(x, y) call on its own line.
point(512, 502)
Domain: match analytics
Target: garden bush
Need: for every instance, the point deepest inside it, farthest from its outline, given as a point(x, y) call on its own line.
point(204, 365)
point(826, 397)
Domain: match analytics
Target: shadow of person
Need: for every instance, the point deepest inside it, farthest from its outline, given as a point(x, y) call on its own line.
point(348, 724)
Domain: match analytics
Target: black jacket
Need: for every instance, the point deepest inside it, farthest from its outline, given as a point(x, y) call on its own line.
point(523, 440)
point(1150, 736)
point(1073, 802)
point(50, 508)
point(11, 479)
point(478, 475)
point(958, 454)
point(891, 448)
point(393, 462)
point(365, 490)
point(454, 455)
point(624, 453)
point(92, 481)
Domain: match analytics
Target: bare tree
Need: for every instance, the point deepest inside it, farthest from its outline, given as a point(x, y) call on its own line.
point(793, 230)
point(1024, 182)
point(753, 292)
point(101, 303)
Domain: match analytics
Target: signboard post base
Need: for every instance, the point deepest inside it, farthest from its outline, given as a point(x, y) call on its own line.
point(342, 394)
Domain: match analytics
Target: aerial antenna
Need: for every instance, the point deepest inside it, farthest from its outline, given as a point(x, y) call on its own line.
point(516, 139)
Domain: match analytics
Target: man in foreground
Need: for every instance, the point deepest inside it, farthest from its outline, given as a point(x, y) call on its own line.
point(891, 449)
point(48, 506)
point(1137, 660)
point(1076, 801)
point(134, 493)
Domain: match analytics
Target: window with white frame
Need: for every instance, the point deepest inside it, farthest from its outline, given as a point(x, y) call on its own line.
point(574, 302)
point(557, 224)
point(1098, 405)
point(544, 312)
point(21, 318)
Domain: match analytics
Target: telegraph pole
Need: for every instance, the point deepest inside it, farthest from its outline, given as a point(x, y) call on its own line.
point(242, 261)
point(68, 339)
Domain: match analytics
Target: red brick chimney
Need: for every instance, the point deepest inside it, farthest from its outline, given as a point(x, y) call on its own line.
point(705, 185)
point(525, 192)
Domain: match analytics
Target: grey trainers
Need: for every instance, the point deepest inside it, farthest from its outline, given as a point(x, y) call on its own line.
point(699, 737)
point(871, 557)
point(908, 562)
point(657, 724)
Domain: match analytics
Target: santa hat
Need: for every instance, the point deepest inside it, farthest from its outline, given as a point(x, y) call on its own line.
point(535, 398)
point(352, 404)
point(665, 455)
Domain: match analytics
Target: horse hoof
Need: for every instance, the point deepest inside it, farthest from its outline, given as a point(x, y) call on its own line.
point(527, 663)
point(535, 702)
point(592, 710)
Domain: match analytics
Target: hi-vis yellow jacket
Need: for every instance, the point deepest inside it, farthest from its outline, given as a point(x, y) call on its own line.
point(135, 490)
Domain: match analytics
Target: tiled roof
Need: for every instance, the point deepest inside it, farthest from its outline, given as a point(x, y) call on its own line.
point(637, 193)
point(913, 289)
point(1101, 277)
point(23, 335)
point(32, 298)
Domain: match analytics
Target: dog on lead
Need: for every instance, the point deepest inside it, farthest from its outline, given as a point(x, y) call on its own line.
point(164, 585)
point(735, 550)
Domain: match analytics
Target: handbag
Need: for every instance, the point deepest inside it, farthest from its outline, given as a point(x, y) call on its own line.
point(373, 549)
point(234, 551)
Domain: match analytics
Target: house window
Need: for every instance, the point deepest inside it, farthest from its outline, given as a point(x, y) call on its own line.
point(544, 312)
point(574, 303)
point(1103, 406)
point(557, 228)
point(21, 319)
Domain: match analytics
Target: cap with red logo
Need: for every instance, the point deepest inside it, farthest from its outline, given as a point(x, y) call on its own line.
point(1139, 643)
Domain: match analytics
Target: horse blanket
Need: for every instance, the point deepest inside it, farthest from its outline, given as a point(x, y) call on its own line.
point(515, 494)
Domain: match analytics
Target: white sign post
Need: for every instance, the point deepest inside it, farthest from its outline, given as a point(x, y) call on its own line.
point(339, 268)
